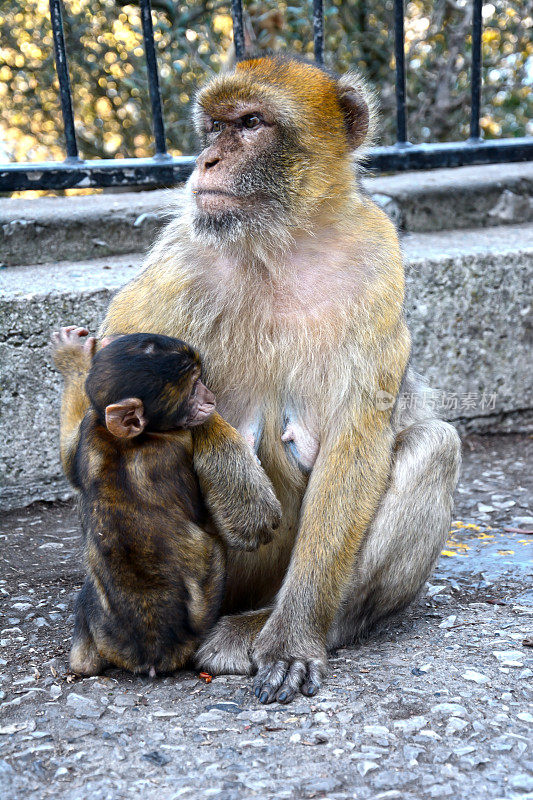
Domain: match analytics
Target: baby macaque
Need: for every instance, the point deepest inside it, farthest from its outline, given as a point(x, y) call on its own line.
point(158, 508)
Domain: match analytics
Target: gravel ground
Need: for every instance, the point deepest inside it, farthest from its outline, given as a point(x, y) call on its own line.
point(435, 704)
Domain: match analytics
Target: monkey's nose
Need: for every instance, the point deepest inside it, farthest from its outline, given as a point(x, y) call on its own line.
point(211, 163)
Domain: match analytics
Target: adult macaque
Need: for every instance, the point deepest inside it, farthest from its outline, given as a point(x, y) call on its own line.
point(155, 566)
point(289, 280)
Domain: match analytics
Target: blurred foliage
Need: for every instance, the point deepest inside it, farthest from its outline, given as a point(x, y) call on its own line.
point(193, 40)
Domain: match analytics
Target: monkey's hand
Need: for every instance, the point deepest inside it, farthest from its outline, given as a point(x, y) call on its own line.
point(71, 351)
point(234, 486)
point(285, 663)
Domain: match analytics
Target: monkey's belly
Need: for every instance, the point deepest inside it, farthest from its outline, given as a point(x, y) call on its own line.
point(299, 436)
point(254, 578)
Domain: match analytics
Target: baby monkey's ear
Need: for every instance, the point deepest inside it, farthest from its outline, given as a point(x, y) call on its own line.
point(125, 419)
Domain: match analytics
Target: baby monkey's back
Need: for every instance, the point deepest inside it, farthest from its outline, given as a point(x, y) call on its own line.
point(155, 568)
point(158, 505)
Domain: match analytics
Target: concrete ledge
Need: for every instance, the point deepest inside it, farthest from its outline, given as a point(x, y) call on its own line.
point(468, 302)
point(465, 197)
point(111, 224)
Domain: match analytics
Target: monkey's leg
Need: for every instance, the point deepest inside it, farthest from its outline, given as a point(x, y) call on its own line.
point(84, 657)
point(399, 551)
point(408, 532)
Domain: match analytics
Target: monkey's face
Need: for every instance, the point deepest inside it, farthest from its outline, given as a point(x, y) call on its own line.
point(148, 381)
point(201, 404)
point(242, 176)
point(278, 140)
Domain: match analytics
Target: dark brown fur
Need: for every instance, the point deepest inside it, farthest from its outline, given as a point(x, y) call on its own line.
point(155, 561)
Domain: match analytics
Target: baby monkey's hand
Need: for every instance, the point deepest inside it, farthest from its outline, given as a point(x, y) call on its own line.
point(71, 351)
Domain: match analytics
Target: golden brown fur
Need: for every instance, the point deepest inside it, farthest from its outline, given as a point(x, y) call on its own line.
point(291, 285)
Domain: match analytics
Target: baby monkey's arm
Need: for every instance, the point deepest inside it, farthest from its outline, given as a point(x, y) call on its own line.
point(235, 488)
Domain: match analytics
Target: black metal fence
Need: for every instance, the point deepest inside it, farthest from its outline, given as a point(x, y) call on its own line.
point(166, 170)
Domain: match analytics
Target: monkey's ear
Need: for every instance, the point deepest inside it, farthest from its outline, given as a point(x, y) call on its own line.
point(357, 105)
point(125, 419)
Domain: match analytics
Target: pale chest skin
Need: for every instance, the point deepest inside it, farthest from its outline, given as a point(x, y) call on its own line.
point(303, 314)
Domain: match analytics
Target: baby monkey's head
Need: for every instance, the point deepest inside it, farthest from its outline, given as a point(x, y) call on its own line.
point(144, 381)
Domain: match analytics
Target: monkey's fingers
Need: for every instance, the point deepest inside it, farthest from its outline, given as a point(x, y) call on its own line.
point(68, 335)
point(282, 679)
point(268, 680)
point(90, 345)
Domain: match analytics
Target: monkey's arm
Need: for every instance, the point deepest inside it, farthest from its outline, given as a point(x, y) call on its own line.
point(72, 355)
point(235, 488)
point(349, 477)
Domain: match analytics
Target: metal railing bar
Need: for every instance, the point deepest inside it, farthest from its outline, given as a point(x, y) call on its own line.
point(238, 27)
point(476, 69)
point(399, 38)
point(318, 30)
point(153, 78)
point(60, 52)
point(151, 172)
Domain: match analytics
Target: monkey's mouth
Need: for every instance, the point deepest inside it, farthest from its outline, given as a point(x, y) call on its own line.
point(215, 201)
point(203, 405)
point(200, 413)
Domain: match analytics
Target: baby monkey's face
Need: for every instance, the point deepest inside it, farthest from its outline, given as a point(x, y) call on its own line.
point(148, 382)
point(201, 404)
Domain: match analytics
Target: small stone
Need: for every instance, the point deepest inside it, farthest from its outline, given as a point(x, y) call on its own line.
point(411, 725)
point(320, 786)
point(230, 708)
point(452, 709)
point(321, 717)
point(455, 725)
point(429, 734)
point(525, 716)
point(376, 730)
point(258, 716)
point(61, 772)
point(76, 728)
point(124, 701)
point(209, 716)
point(434, 590)
point(55, 691)
point(156, 757)
point(476, 677)
point(83, 706)
point(523, 782)
point(509, 658)
point(484, 509)
point(295, 738)
point(364, 767)
point(449, 622)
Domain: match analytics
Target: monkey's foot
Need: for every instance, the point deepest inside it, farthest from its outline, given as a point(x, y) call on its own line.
point(84, 659)
point(286, 665)
point(227, 647)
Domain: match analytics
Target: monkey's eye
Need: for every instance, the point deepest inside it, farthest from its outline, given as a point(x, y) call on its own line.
point(251, 121)
point(217, 126)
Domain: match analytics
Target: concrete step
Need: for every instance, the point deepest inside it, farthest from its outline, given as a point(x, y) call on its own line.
point(468, 303)
point(59, 228)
